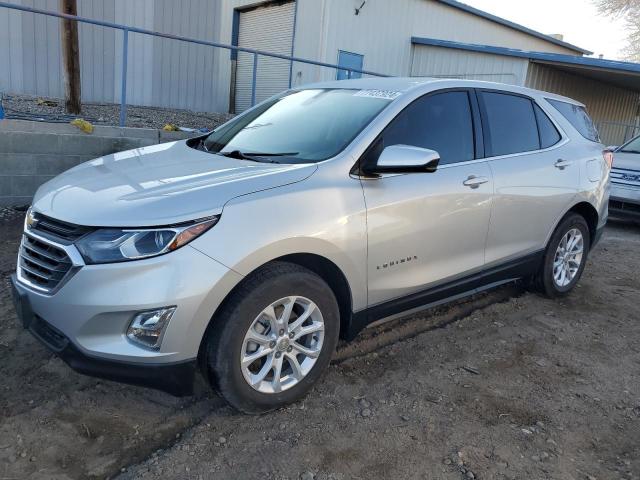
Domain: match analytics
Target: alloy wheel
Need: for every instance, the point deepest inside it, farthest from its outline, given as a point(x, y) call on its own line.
point(568, 257)
point(282, 344)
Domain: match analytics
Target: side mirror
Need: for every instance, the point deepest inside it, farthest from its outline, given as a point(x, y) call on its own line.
point(406, 159)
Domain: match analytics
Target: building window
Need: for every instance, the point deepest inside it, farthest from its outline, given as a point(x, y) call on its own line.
point(349, 61)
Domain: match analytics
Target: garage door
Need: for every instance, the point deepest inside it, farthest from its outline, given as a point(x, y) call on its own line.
point(268, 28)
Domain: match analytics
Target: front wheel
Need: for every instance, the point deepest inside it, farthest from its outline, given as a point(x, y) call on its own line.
point(565, 257)
point(273, 338)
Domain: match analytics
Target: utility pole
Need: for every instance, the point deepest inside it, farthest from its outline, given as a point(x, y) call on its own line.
point(70, 57)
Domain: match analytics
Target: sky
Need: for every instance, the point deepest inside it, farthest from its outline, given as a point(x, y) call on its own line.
point(577, 20)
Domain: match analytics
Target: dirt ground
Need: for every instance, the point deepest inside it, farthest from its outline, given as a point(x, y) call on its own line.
point(508, 385)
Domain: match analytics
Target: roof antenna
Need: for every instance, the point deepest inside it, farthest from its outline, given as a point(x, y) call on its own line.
point(360, 7)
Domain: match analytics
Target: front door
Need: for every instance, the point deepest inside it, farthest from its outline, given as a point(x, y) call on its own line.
point(427, 228)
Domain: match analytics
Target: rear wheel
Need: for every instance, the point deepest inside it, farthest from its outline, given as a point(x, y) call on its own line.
point(565, 257)
point(273, 338)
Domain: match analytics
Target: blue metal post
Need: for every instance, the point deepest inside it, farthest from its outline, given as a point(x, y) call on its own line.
point(123, 91)
point(253, 83)
point(348, 74)
point(293, 42)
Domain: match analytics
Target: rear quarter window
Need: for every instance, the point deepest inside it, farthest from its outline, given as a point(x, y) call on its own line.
point(578, 117)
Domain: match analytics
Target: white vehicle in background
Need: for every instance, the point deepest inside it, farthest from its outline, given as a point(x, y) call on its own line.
point(625, 181)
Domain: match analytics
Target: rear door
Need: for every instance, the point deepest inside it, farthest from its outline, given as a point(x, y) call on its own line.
point(426, 228)
point(534, 183)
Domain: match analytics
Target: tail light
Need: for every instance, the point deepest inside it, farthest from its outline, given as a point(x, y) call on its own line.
point(608, 157)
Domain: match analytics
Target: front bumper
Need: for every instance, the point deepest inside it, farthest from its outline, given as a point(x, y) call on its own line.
point(624, 209)
point(85, 321)
point(176, 379)
point(624, 202)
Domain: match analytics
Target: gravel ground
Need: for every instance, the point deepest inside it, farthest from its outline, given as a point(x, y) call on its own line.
point(52, 109)
point(508, 385)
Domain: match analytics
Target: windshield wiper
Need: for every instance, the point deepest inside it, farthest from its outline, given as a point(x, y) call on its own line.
point(255, 157)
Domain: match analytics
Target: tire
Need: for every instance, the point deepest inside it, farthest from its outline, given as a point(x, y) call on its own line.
point(546, 280)
point(228, 341)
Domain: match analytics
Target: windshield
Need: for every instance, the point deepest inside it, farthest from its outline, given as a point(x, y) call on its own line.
point(305, 126)
point(632, 147)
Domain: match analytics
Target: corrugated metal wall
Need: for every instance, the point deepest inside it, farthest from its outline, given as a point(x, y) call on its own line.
point(606, 104)
point(383, 29)
point(161, 72)
point(30, 57)
point(431, 61)
point(169, 73)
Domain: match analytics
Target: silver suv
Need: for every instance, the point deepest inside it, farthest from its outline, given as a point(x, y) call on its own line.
point(247, 253)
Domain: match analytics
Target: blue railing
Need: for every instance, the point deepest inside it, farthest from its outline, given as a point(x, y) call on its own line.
point(125, 50)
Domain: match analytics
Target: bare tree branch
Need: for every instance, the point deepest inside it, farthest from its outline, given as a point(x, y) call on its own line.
point(629, 10)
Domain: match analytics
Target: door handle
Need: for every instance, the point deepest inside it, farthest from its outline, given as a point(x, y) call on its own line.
point(562, 164)
point(474, 181)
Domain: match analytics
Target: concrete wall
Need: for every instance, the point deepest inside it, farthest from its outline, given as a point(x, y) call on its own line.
point(33, 152)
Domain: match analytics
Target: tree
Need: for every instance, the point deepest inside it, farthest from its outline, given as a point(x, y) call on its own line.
point(630, 11)
point(71, 57)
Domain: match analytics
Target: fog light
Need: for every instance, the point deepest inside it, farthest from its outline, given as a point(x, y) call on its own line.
point(147, 328)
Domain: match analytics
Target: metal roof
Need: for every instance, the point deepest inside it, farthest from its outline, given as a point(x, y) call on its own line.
point(623, 74)
point(515, 26)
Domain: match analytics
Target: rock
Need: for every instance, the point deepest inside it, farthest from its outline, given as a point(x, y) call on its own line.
point(539, 424)
point(365, 413)
point(535, 458)
point(364, 403)
point(222, 440)
point(307, 476)
point(447, 461)
point(527, 431)
point(544, 455)
point(470, 474)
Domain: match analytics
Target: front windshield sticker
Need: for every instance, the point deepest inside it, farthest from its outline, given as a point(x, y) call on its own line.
point(384, 94)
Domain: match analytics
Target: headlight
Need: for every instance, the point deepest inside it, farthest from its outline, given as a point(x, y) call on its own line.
point(108, 245)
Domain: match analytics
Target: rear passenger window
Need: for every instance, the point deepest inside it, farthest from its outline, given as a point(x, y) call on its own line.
point(440, 122)
point(549, 134)
point(578, 117)
point(509, 124)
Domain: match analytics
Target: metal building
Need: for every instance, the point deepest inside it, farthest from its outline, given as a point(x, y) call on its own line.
point(442, 38)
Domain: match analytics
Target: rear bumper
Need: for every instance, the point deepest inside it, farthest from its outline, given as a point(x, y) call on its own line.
point(174, 378)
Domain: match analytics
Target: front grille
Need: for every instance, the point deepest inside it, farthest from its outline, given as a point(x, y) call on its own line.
point(626, 177)
point(43, 265)
point(58, 229)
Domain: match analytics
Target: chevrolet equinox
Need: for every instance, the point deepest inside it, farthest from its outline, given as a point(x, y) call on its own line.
point(248, 252)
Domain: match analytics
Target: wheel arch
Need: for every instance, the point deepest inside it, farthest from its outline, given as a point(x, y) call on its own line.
point(584, 209)
point(590, 214)
point(321, 266)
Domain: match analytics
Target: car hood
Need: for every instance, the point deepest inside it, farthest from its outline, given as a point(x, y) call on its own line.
point(157, 185)
point(627, 161)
